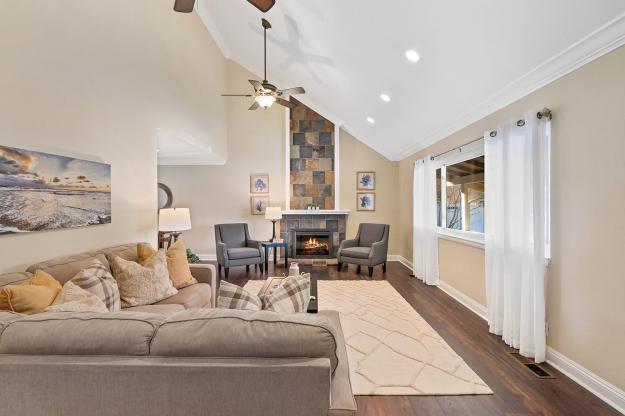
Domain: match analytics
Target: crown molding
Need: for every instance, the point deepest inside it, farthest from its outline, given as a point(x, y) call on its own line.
point(598, 43)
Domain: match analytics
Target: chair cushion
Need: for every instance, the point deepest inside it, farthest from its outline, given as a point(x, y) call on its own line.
point(236, 333)
point(233, 234)
point(194, 296)
point(166, 310)
point(356, 252)
point(371, 233)
point(242, 253)
point(82, 333)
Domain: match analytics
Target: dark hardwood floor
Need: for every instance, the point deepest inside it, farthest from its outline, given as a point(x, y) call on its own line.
point(517, 391)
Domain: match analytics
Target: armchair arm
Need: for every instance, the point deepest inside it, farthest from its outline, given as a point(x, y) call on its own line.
point(222, 254)
point(258, 245)
point(206, 273)
point(379, 251)
point(348, 244)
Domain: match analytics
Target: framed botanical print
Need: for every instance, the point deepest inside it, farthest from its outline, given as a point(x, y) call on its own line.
point(259, 204)
point(365, 181)
point(259, 184)
point(366, 201)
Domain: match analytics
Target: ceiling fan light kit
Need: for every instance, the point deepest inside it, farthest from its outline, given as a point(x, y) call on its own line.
point(266, 94)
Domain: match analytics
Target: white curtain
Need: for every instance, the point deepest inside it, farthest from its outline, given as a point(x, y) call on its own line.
point(517, 232)
point(425, 241)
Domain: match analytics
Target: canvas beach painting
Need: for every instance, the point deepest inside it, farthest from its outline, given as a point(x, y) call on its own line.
point(41, 191)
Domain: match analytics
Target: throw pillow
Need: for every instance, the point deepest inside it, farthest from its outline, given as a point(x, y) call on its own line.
point(143, 284)
point(97, 279)
point(291, 296)
point(73, 298)
point(235, 297)
point(177, 264)
point(30, 296)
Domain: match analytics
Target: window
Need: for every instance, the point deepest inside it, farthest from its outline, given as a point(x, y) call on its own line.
point(461, 182)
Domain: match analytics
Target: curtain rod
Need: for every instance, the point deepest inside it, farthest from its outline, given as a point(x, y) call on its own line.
point(545, 112)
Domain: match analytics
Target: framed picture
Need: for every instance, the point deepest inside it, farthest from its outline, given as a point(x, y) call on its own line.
point(259, 204)
point(365, 181)
point(259, 183)
point(366, 201)
point(42, 191)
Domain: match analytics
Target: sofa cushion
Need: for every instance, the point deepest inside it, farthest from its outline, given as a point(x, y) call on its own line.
point(68, 333)
point(30, 296)
point(371, 233)
point(6, 317)
point(243, 253)
point(125, 251)
point(235, 297)
point(194, 296)
point(291, 296)
point(73, 298)
point(64, 268)
point(170, 309)
point(235, 333)
point(14, 278)
point(356, 252)
point(97, 279)
point(177, 263)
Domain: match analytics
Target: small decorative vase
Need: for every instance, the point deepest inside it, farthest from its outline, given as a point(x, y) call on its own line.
point(294, 269)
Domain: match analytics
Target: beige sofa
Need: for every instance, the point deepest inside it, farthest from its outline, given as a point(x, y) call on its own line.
point(189, 361)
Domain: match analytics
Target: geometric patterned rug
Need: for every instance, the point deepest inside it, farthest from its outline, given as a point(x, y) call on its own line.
point(391, 349)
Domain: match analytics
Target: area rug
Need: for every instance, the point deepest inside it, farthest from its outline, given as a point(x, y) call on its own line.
point(391, 349)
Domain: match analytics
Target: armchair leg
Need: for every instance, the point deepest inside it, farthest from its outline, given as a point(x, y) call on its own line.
point(358, 269)
point(339, 266)
point(384, 267)
point(219, 268)
point(227, 270)
point(370, 271)
point(262, 268)
point(247, 268)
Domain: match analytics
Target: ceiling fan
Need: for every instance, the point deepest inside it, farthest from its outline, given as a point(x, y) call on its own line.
point(186, 6)
point(265, 94)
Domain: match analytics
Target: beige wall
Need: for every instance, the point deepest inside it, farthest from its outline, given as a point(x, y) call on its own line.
point(96, 79)
point(356, 156)
point(221, 194)
point(462, 267)
point(585, 306)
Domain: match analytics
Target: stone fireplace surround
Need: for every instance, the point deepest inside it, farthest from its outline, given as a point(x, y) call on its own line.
point(335, 222)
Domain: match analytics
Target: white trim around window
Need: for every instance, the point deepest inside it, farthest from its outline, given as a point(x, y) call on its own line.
point(468, 238)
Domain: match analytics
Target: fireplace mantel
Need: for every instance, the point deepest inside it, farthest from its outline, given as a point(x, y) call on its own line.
point(316, 212)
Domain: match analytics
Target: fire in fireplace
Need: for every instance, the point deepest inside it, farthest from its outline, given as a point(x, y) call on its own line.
point(312, 244)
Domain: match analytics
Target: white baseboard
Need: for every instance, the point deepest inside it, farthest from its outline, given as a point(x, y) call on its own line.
point(207, 257)
point(475, 307)
point(391, 257)
point(601, 388)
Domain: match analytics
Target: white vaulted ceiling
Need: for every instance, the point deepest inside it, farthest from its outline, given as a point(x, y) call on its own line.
point(476, 57)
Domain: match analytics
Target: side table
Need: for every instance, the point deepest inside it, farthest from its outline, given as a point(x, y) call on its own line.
point(275, 245)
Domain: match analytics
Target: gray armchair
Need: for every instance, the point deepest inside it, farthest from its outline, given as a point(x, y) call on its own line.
point(236, 248)
point(369, 248)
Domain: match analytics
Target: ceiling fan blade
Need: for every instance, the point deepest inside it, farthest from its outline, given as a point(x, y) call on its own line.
point(263, 5)
point(236, 95)
point(184, 6)
point(285, 103)
point(291, 91)
point(254, 106)
point(257, 85)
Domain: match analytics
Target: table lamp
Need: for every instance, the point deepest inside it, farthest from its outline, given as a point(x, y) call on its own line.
point(274, 214)
point(174, 221)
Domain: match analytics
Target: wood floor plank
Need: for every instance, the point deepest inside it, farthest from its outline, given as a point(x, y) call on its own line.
point(517, 391)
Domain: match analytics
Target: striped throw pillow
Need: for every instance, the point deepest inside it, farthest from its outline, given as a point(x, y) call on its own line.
point(97, 279)
point(235, 297)
point(291, 296)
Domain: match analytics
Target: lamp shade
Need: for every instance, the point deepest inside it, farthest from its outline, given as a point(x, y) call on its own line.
point(273, 213)
point(174, 219)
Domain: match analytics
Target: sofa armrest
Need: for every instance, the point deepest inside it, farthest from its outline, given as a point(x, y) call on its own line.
point(206, 273)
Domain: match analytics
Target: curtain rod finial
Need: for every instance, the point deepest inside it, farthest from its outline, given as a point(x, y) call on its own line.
point(545, 112)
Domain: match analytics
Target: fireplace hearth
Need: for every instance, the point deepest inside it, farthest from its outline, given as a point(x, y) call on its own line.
point(312, 244)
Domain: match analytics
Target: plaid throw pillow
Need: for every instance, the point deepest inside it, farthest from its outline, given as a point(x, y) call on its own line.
point(291, 296)
point(97, 279)
point(235, 297)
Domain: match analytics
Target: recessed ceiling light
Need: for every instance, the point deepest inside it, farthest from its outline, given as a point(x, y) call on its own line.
point(412, 55)
point(371, 120)
point(385, 98)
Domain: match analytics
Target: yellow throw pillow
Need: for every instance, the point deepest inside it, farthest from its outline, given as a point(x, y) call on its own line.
point(30, 296)
point(177, 264)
